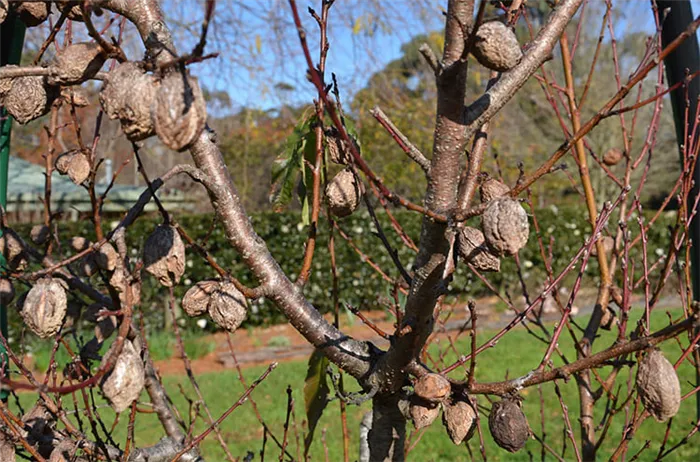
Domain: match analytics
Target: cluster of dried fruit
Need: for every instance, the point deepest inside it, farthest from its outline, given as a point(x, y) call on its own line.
point(226, 304)
point(172, 107)
point(505, 229)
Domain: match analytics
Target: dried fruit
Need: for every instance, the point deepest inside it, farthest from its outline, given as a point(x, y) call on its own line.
point(129, 289)
point(14, 250)
point(32, 13)
point(106, 257)
point(4, 9)
point(505, 226)
point(658, 386)
point(612, 156)
point(123, 384)
point(496, 46)
point(29, 98)
point(459, 419)
point(63, 452)
point(88, 266)
point(105, 328)
point(79, 243)
point(164, 255)
point(45, 307)
point(39, 234)
point(338, 150)
point(7, 447)
point(196, 300)
point(608, 245)
point(7, 291)
point(76, 63)
point(72, 9)
point(343, 193)
point(508, 425)
point(473, 250)
point(492, 189)
point(5, 83)
point(179, 112)
point(432, 387)
point(76, 165)
point(127, 95)
point(423, 414)
point(227, 307)
point(76, 96)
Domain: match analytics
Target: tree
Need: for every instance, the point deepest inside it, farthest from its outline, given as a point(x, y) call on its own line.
point(325, 156)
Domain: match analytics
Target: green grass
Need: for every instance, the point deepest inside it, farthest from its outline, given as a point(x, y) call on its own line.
point(514, 355)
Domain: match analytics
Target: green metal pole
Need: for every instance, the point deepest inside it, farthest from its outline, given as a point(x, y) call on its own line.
point(11, 43)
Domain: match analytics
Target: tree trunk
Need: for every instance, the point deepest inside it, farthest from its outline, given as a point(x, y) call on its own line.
point(387, 433)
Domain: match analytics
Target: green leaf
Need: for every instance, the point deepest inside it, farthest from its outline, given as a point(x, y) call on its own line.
point(287, 166)
point(316, 393)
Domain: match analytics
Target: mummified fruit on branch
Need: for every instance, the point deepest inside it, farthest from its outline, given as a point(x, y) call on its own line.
point(7, 446)
point(129, 288)
point(79, 243)
point(5, 83)
point(63, 452)
point(164, 255)
point(508, 425)
point(127, 95)
point(432, 387)
point(196, 300)
point(4, 9)
point(179, 112)
point(29, 98)
point(492, 189)
point(106, 257)
point(14, 250)
point(612, 156)
point(227, 307)
point(505, 226)
point(496, 47)
point(73, 10)
point(123, 384)
point(76, 63)
point(473, 250)
point(32, 13)
point(459, 419)
point(74, 164)
point(40, 234)
point(45, 307)
point(658, 386)
point(7, 291)
point(423, 413)
point(338, 150)
point(343, 193)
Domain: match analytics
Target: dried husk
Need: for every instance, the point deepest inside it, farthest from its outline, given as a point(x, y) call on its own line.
point(106, 257)
point(658, 386)
point(197, 298)
point(227, 307)
point(78, 168)
point(612, 156)
point(127, 95)
point(508, 425)
point(423, 413)
point(492, 189)
point(496, 46)
point(179, 112)
point(432, 387)
point(40, 234)
point(6, 83)
point(7, 291)
point(45, 307)
point(32, 13)
point(472, 248)
point(76, 63)
point(459, 419)
point(343, 193)
point(164, 255)
point(123, 384)
point(72, 9)
point(29, 98)
point(505, 226)
point(14, 250)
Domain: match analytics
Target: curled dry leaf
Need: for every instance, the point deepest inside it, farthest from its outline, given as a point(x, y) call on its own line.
point(432, 387)
point(123, 384)
point(127, 95)
point(508, 425)
point(179, 112)
point(505, 226)
point(32, 13)
point(496, 46)
point(29, 98)
point(492, 189)
point(7, 291)
point(45, 307)
point(423, 413)
point(227, 307)
point(343, 193)
point(612, 156)
point(40, 234)
point(197, 298)
point(76, 63)
point(658, 386)
point(164, 255)
point(472, 249)
point(14, 250)
point(459, 419)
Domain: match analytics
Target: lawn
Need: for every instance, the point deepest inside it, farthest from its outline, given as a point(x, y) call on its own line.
point(514, 355)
